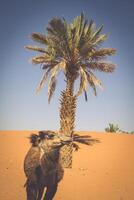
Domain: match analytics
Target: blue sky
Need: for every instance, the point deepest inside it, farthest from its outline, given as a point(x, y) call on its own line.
point(21, 109)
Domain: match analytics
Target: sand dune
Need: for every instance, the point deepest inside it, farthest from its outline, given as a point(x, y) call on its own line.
point(104, 171)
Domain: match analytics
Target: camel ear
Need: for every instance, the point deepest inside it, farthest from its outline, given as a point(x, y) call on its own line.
point(34, 139)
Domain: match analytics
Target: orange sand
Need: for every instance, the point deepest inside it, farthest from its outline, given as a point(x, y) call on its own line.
point(104, 171)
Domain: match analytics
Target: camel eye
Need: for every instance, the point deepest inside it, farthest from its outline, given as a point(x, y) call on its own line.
point(51, 136)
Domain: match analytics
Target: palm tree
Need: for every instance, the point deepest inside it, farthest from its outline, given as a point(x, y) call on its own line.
point(74, 49)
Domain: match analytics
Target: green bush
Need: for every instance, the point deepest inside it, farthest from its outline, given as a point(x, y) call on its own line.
point(112, 128)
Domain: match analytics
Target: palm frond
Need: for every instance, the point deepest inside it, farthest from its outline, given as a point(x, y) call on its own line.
point(40, 38)
point(83, 81)
point(35, 48)
point(93, 86)
point(99, 39)
point(43, 80)
point(58, 36)
point(89, 30)
point(38, 59)
point(56, 27)
point(52, 86)
point(52, 82)
point(46, 66)
point(91, 39)
point(102, 53)
point(95, 80)
point(96, 33)
point(85, 94)
point(81, 23)
point(101, 66)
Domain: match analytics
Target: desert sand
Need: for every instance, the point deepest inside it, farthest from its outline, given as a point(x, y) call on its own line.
point(103, 171)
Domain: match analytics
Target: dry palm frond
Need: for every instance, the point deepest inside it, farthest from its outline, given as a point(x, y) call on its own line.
point(51, 89)
point(38, 59)
point(52, 82)
point(46, 66)
point(95, 80)
point(43, 80)
point(83, 81)
point(35, 48)
point(92, 82)
point(102, 66)
point(102, 53)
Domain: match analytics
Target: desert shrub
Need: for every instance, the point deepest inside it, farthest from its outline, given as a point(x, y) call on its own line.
point(115, 128)
point(112, 128)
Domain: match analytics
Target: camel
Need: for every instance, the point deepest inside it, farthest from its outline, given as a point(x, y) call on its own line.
point(42, 165)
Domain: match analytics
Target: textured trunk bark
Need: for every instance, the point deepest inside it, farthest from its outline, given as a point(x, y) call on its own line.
point(67, 120)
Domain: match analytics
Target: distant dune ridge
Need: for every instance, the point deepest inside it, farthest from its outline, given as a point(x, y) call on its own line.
point(103, 171)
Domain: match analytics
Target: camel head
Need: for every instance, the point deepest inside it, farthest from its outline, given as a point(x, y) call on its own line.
point(52, 141)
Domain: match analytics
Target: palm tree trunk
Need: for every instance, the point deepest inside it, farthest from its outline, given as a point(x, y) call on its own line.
point(67, 120)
